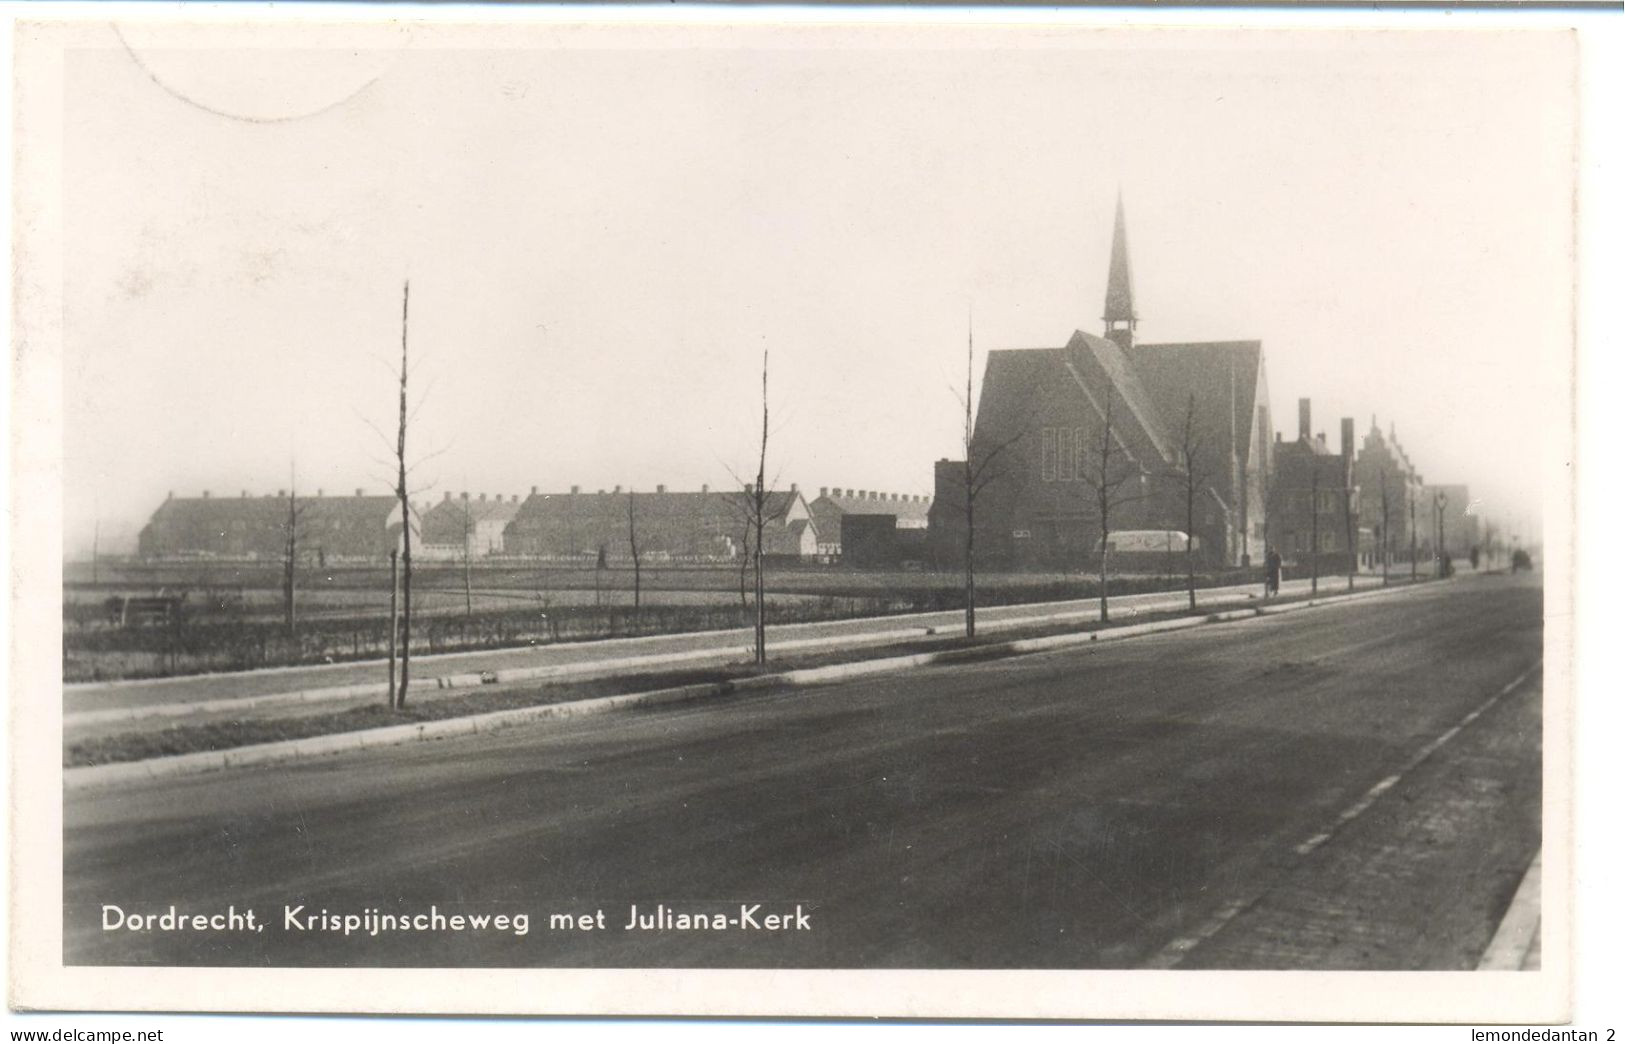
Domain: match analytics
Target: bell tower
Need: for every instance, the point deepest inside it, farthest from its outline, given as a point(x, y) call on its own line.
point(1120, 317)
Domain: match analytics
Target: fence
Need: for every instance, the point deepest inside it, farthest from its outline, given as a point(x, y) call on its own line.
point(190, 643)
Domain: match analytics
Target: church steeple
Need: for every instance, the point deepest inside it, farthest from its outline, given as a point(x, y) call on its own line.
point(1120, 316)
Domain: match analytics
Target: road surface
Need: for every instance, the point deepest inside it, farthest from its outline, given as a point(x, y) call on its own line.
point(1350, 787)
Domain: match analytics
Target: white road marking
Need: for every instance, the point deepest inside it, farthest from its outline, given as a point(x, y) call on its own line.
point(1170, 956)
point(1370, 796)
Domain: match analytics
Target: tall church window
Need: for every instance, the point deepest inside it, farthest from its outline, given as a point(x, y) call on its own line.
point(1067, 468)
point(1047, 455)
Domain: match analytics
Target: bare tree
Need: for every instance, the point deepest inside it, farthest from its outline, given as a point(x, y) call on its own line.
point(758, 507)
point(404, 496)
point(761, 513)
point(292, 530)
point(637, 561)
point(1112, 485)
point(980, 471)
point(1192, 474)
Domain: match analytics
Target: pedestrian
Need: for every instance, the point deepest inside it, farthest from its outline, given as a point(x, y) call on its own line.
point(1472, 556)
point(1272, 572)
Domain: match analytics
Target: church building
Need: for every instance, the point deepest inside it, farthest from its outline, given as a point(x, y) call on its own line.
point(1055, 425)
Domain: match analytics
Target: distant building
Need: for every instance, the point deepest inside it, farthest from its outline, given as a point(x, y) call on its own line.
point(1043, 411)
point(256, 528)
point(1313, 501)
point(834, 505)
point(708, 526)
point(471, 526)
point(1385, 475)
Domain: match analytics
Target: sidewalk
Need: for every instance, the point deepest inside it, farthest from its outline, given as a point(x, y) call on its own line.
point(579, 660)
point(460, 723)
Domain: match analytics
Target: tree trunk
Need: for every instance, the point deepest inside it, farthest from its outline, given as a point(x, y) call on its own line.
point(406, 517)
point(1190, 529)
point(761, 607)
point(1314, 527)
point(970, 548)
point(1412, 502)
point(1350, 534)
point(468, 564)
point(1105, 551)
point(394, 616)
point(637, 564)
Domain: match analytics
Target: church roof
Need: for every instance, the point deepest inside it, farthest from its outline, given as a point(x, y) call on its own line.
point(1171, 373)
point(1129, 388)
point(1017, 378)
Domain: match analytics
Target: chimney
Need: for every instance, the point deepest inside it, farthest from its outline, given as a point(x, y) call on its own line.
point(245, 494)
point(280, 493)
point(617, 489)
point(1303, 418)
point(750, 487)
point(534, 490)
point(575, 489)
point(823, 491)
point(320, 491)
point(660, 488)
point(447, 496)
point(359, 492)
point(794, 488)
point(465, 495)
point(482, 496)
point(1348, 438)
point(705, 487)
point(206, 494)
point(171, 495)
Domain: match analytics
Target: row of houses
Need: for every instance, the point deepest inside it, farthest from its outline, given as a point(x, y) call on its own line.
point(704, 526)
point(1176, 438)
point(1106, 425)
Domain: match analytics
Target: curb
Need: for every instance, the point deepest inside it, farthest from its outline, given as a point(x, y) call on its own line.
point(1519, 927)
point(89, 776)
point(388, 736)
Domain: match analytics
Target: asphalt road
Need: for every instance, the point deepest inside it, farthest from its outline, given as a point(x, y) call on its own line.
point(723, 646)
point(1284, 792)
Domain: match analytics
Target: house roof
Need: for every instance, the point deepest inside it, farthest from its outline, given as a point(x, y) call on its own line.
point(273, 510)
point(703, 523)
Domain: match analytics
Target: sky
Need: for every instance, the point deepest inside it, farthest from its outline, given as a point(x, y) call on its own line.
point(605, 229)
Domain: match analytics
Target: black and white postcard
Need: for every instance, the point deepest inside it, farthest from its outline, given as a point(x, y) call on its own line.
point(710, 515)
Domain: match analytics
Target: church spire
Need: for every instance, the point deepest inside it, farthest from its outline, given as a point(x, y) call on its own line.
point(1120, 316)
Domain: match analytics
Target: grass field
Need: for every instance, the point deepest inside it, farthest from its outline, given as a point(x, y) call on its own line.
point(231, 616)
